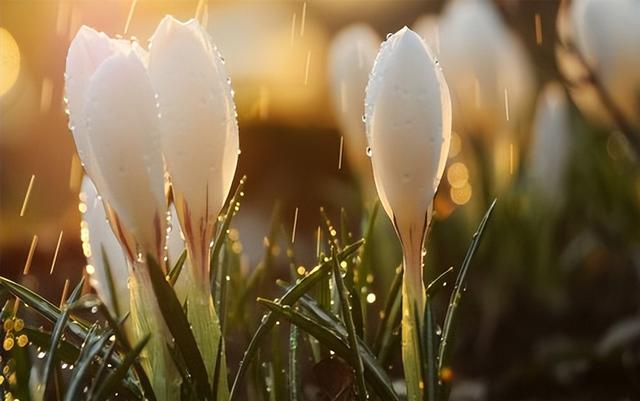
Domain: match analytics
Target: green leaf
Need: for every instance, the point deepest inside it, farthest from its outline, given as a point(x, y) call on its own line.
point(115, 378)
point(83, 366)
point(351, 330)
point(66, 352)
point(388, 317)
point(294, 371)
point(456, 295)
point(291, 296)
point(429, 346)
point(216, 373)
point(334, 336)
point(222, 232)
point(98, 378)
point(56, 336)
point(175, 271)
point(179, 327)
point(438, 283)
point(41, 305)
point(122, 340)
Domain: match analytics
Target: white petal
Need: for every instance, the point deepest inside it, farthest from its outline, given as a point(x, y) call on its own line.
point(97, 233)
point(199, 129)
point(409, 127)
point(87, 51)
point(551, 143)
point(122, 127)
point(351, 58)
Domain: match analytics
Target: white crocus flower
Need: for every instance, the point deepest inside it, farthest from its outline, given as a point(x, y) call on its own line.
point(201, 145)
point(99, 243)
point(408, 126)
point(124, 140)
point(351, 57)
point(607, 35)
point(115, 121)
point(487, 68)
point(550, 150)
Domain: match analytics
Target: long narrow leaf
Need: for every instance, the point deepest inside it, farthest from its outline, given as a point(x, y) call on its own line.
point(444, 354)
point(113, 380)
point(291, 296)
point(429, 345)
point(329, 336)
point(77, 381)
point(386, 314)
point(175, 271)
point(56, 336)
point(48, 310)
point(179, 327)
point(351, 330)
point(222, 232)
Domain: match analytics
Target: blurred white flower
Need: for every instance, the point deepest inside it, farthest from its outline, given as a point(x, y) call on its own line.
point(486, 66)
point(408, 126)
point(97, 237)
point(551, 147)
point(199, 129)
point(606, 34)
point(351, 58)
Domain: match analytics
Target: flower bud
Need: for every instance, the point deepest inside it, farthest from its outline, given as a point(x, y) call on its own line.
point(408, 125)
point(122, 132)
point(199, 129)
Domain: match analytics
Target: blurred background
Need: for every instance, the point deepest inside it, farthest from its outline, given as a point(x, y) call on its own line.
point(551, 310)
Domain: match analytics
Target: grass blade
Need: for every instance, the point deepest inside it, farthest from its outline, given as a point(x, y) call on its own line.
point(290, 296)
point(56, 336)
point(48, 310)
point(294, 373)
point(429, 347)
point(179, 327)
point(351, 330)
point(444, 354)
point(175, 271)
point(438, 283)
point(83, 367)
point(232, 209)
point(387, 313)
point(114, 379)
point(334, 336)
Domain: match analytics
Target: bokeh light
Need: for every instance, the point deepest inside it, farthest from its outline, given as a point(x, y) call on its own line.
point(9, 61)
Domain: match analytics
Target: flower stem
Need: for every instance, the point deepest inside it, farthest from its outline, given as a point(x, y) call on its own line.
point(413, 300)
point(146, 319)
point(206, 328)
